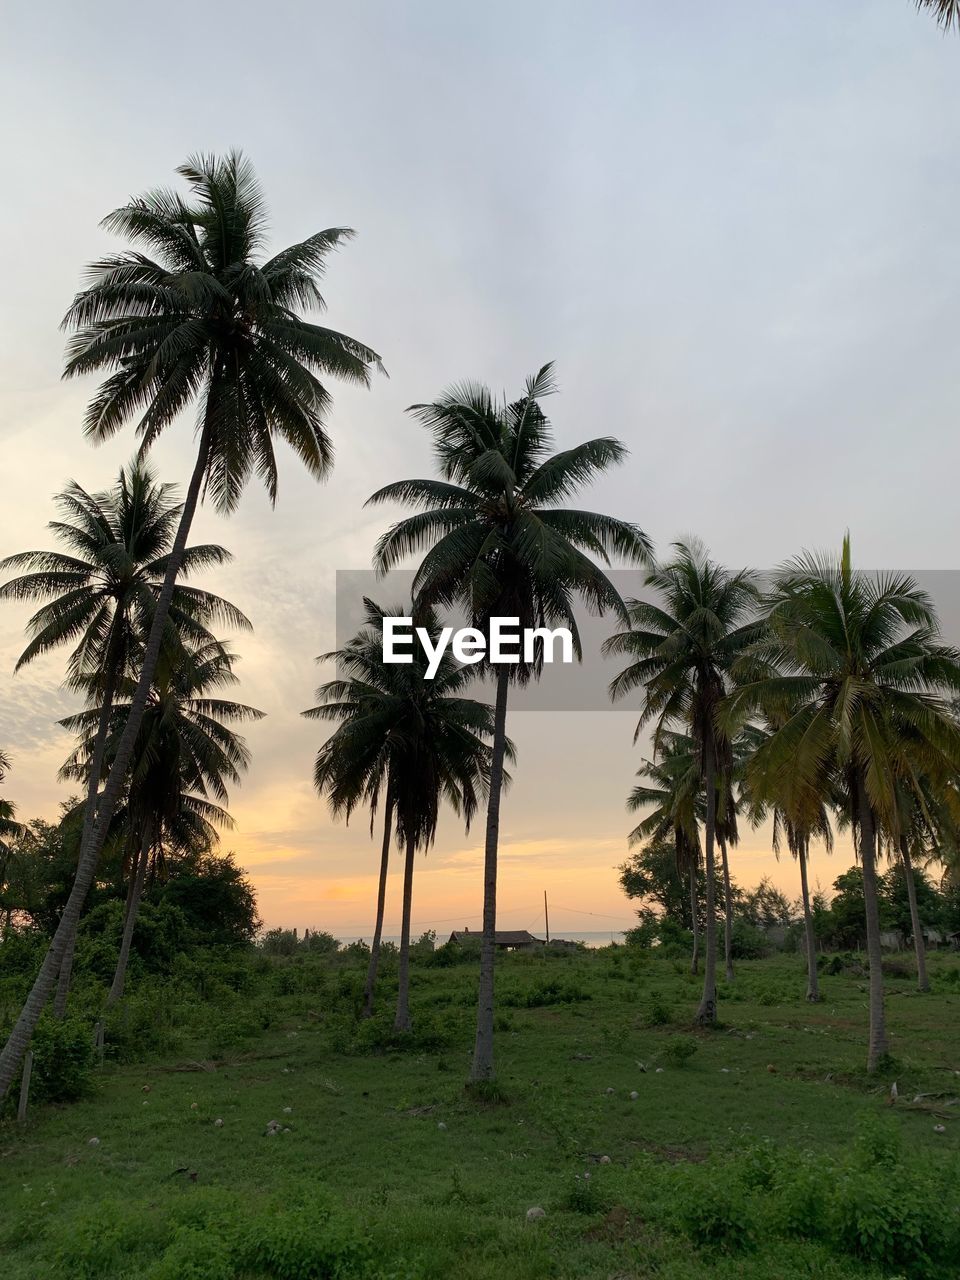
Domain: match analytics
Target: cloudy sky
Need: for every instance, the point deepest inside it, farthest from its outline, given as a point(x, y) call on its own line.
point(733, 227)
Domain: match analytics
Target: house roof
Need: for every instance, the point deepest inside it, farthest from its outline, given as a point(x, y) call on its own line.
point(502, 937)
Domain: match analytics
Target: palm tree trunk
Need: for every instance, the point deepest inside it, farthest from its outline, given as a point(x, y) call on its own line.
point(727, 911)
point(694, 922)
point(923, 982)
point(381, 903)
point(93, 792)
point(20, 1036)
point(878, 1044)
point(482, 1068)
point(813, 985)
point(138, 877)
point(707, 1011)
point(402, 1020)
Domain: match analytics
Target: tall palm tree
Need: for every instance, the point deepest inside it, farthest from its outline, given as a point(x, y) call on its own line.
point(501, 542)
point(421, 740)
point(682, 647)
point(856, 683)
point(186, 755)
point(351, 767)
point(193, 316)
point(927, 821)
point(800, 815)
point(101, 597)
point(670, 789)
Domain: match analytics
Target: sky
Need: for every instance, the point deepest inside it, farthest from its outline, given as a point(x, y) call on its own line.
point(733, 227)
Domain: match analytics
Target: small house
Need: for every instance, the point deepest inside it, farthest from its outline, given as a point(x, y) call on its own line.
point(504, 939)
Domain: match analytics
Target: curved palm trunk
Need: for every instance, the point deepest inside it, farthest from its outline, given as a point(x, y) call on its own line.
point(813, 984)
point(878, 1044)
point(90, 850)
point(482, 1068)
point(707, 1011)
point(138, 878)
point(694, 922)
point(402, 1021)
point(90, 806)
point(727, 911)
point(381, 903)
point(923, 982)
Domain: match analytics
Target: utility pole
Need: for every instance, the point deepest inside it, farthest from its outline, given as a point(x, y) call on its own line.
point(546, 914)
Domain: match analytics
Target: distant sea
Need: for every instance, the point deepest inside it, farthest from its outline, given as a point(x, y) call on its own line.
point(596, 938)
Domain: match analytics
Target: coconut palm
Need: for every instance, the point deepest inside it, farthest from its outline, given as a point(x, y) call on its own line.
point(194, 316)
point(670, 789)
point(9, 830)
point(682, 647)
point(501, 542)
point(927, 822)
point(419, 740)
point(186, 754)
point(856, 683)
point(800, 815)
point(8, 827)
point(351, 767)
point(100, 595)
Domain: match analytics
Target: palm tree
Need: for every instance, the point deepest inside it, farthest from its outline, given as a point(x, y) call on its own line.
point(502, 544)
point(946, 12)
point(101, 597)
point(8, 827)
point(856, 681)
point(800, 815)
point(9, 830)
point(186, 755)
point(728, 837)
point(352, 765)
point(203, 321)
point(420, 740)
point(927, 815)
point(670, 788)
point(682, 648)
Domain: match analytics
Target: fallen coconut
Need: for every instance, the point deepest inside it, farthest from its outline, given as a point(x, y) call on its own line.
point(535, 1214)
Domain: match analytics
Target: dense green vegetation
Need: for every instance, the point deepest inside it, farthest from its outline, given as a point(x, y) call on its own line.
point(756, 1149)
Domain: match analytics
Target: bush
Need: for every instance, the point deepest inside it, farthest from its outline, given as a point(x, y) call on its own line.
point(62, 1060)
point(679, 1050)
point(717, 1214)
point(657, 1012)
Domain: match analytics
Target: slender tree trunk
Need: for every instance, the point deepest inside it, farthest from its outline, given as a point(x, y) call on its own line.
point(402, 1020)
point(694, 922)
point(23, 1029)
point(810, 942)
point(381, 904)
point(923, 982)
point(482, 1068)
point(138, 877)
point(878, 1044)
point(707, 1012)
point(93, 794)
point(727, 911)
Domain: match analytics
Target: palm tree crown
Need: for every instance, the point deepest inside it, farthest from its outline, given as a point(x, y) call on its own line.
point(100, 598)
point(499, 539)
point(195, 311)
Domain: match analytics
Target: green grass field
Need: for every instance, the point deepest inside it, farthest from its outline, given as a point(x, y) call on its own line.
point(760, 1149)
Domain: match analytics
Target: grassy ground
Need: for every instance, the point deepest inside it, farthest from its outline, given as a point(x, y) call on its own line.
point(759, 1150)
